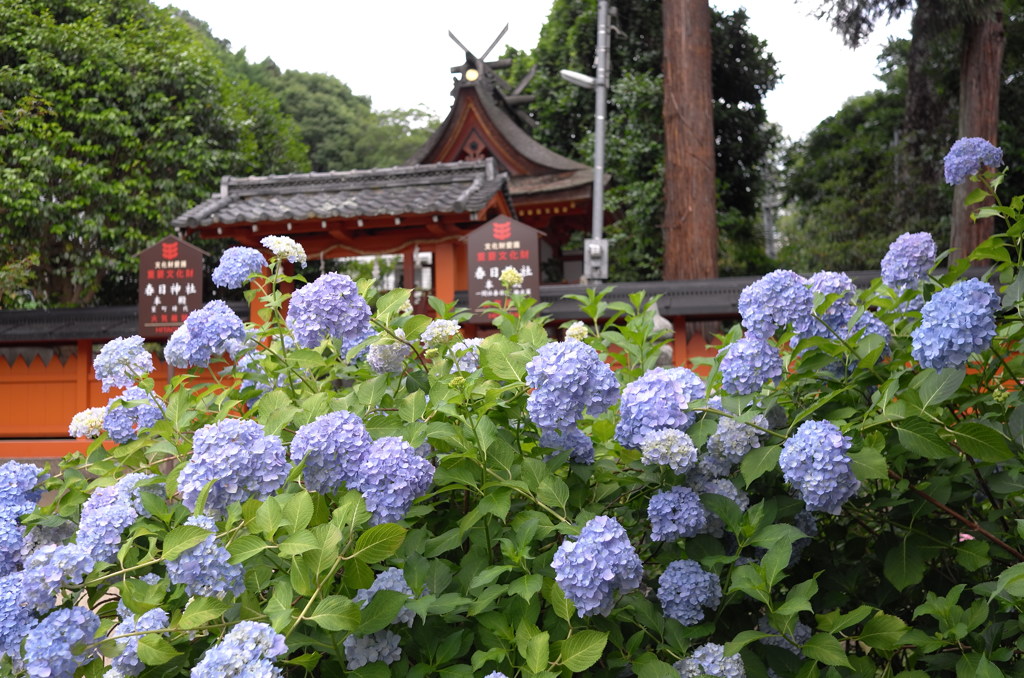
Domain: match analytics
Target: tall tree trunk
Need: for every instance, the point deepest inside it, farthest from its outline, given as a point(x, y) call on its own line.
point(927, 114)
point(690, 230)
point(980, 78)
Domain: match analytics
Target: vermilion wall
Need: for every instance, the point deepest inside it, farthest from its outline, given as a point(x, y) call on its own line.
point(38, 400)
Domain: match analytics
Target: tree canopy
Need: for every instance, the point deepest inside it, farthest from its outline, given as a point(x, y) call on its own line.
point(742, 73)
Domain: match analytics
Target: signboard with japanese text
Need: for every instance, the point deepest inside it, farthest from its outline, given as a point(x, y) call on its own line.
point(170, 286)
point(501, 243)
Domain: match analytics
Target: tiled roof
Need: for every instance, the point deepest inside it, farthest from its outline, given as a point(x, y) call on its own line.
point(421, 189)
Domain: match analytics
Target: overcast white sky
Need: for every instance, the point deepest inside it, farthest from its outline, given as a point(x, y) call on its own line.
point(398, 52)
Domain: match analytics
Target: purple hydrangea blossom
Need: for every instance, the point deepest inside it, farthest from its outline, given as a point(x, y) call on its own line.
point(568, 377)
point(815, 463)
point(391, 579)
point(212, 330)
point(122, 362)
point(730, 442)
point(12, 535)
point(466, 355)
point(908, 260)
point(105, 516)
point(668, 447)
point(334, 447)
point(88, 423)
point(834, 320)
point(676, 514)
point(16, 619)
point(284, 247)
point(248, 649)
point(391, 477)
point(48, 568)
point(19, 484)
point(572, 440)
point(801, 634)
point(58, 645)
point(237, 265)
point(239, 457)
point(830, 282)
point(123, 421)
point(776, 300)
point(388, 356)
point(710, 660)
point(748, 364)
point(330, 306)
point(870, 324)
point(204, 569)
point(720, 486)
point(968, 156)
point(600, 562)
point(956, 322)
point(496, 674)
point(128, 663)
point(382, 646)
point(659, 399)
point(685, 588)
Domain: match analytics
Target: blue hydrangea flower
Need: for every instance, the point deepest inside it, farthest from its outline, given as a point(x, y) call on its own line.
point(956, 322)
point(330, 306)
point(128, 663)
point(106, 515)
point(778, 299)
point(496, 674)
point(242, 460)
point(248, 649)
point(237, 265)
point(710, 660)
point(334, 447)
point(388, 356)
point(212, 330)
point(123, 421)
point(466, 355)
point(572, 440)
point(600, 562)
point(834, 320)
point(668, 447)
point(815, 463)
point(12, 536)
point(88, 423)
point(685, 588)
point(381, 646)
point(391, 579)
point(748, 364)
point(122, 362)
point(284, 247)
point(908, 260)
point(968, 156)
point(870, 324)
point(830, 282)
point(16, 619)
point(659, 399)
point(676, 514)
point(57, 645)
point(801, 634)
point(19, 484)
point(48, 568)
point(204, 569)
point(568, 377)
point(391, 477)
point(721, 486)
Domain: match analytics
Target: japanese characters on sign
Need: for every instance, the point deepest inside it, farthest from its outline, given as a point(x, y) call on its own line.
point(501, 243)
point(170, 286)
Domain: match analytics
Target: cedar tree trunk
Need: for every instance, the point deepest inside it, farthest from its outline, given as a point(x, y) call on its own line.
point(980, 78)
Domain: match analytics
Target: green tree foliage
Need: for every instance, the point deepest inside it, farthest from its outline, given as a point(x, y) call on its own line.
point(848, 191)
point(743, 72)
point(134, 122)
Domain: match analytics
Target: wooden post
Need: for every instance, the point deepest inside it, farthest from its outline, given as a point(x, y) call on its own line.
point(445, 271)
point(690, 230)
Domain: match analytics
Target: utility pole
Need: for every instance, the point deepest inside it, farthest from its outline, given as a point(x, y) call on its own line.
point(595, 248)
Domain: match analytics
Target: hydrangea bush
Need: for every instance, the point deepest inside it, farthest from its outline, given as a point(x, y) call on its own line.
point(363, 491)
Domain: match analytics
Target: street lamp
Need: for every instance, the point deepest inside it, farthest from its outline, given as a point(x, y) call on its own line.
point(595, 248)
